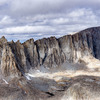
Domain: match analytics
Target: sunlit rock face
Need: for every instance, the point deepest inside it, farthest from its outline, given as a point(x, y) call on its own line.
point(8, 62)
point(65, 68)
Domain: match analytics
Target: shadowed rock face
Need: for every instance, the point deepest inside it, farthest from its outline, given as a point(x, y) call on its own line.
point(84, 43)
point(50, 54)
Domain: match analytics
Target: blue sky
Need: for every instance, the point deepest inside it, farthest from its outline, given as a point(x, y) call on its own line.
point(24, 19)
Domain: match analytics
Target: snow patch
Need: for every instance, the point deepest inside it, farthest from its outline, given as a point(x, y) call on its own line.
point(5, 81)
point(27, 77)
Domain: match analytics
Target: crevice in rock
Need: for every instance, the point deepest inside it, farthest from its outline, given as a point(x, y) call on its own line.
point(37, 49)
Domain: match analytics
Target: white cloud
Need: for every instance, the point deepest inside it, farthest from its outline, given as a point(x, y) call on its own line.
point(77, 13)
point(2, 2)
point(6, 20)
point(28, 29)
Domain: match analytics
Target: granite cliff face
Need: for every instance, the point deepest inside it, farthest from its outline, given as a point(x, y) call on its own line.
point(17, 58)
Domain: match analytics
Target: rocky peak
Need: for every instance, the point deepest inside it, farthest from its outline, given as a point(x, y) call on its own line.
point(3, 39)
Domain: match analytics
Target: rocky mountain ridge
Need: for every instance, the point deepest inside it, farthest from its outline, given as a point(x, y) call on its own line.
point(66, 68)
point(17, 58)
